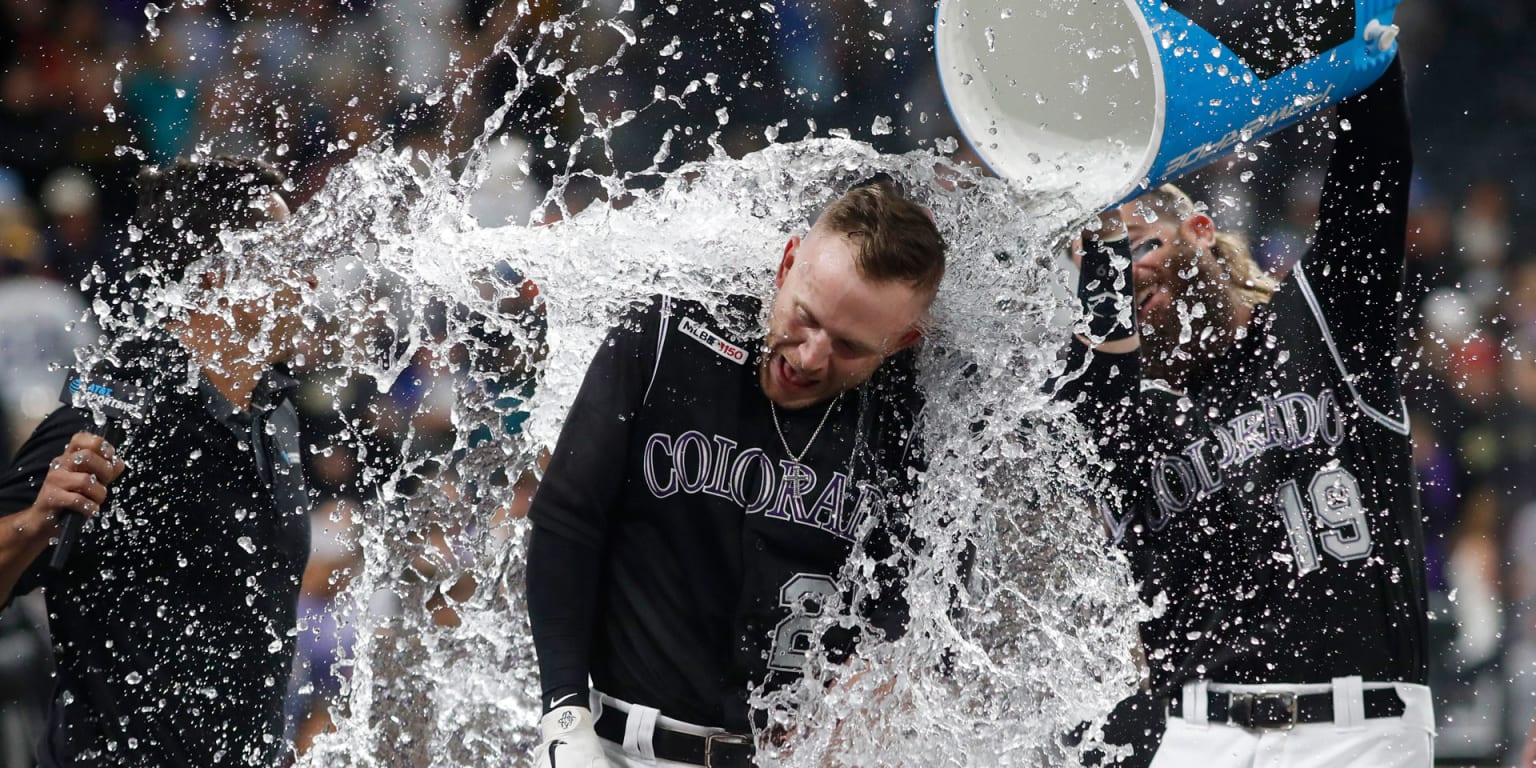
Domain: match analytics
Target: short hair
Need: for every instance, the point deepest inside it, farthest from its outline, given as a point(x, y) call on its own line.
point(895, 238)
point(1231, 249)
point(184, 206)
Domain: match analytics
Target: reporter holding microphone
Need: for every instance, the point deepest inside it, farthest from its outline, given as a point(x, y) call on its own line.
point(172, 614)
point(76, 483)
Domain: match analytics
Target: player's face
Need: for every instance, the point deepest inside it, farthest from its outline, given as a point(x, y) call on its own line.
point(829, 328)
point(1173, 265)
point(1165, 253)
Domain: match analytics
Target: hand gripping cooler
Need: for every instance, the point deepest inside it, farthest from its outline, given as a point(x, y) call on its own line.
point(1109, 98)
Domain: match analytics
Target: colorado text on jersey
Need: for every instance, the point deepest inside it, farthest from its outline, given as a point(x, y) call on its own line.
point(692, 463)
point(1288, 421)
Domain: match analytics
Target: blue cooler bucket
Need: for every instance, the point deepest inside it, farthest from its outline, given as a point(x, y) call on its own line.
point(1106, 99)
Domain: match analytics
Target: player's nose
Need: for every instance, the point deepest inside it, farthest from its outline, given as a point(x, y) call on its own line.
point(815, 351)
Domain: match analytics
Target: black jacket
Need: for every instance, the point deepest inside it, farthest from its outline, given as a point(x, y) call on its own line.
point(172, 621)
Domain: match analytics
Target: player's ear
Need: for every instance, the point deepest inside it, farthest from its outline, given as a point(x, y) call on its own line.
point(1198, 230)
point(787, 261)
point(912, 336)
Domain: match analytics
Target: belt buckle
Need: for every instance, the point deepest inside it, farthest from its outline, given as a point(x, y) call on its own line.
point(731, 739)
point(1244, 705)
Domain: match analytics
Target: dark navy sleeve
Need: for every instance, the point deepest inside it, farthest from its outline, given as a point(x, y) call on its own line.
point(1104, 389)
point(1102, 386)
point(891, 545)
point(1353, 276)
point(587, 469)
point(21, 481)
point(576, 499)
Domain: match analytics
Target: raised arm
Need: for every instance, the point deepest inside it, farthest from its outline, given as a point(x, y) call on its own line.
point(1106, 291)
point(1353, 274)
point(1102, 379)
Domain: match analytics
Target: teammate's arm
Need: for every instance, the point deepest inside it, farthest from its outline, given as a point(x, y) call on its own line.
point(1103, 367)
point(1106, 286)
point(1355, 267)
point(1105, 382)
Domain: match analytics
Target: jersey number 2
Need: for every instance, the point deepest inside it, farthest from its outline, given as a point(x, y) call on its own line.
point(1335, 496)
point(792, 637)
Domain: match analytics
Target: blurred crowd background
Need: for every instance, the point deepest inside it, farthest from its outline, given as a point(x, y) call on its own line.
point(304, 83)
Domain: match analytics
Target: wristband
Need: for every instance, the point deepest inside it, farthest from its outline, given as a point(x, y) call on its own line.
point(1106, 290)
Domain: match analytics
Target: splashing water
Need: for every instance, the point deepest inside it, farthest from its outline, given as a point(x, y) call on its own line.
point(998, 663)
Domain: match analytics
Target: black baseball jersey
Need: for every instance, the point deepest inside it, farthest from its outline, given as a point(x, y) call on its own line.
point(1274, 502)
point(673, 487)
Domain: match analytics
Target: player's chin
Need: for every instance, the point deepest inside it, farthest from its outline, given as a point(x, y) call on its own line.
point(790, 396)
point(797, 398)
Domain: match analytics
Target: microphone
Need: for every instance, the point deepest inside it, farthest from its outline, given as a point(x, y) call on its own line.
point(117, 404)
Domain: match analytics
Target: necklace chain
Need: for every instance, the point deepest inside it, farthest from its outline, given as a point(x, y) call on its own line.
point(774, 409)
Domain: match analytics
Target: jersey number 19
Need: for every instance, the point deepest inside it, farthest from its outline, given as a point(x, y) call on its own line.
point(1335, 497)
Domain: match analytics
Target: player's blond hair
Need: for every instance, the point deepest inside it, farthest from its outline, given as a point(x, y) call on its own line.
point(1252, 283)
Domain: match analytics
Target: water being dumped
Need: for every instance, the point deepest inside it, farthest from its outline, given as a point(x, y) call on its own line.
point(1002, 657)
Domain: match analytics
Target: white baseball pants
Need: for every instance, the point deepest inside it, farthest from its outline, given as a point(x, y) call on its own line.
point(636, 751)
point(1351, 741)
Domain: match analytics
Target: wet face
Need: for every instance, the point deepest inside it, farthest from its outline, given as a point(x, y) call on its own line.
point(1178, 291)
point(277, 318)
point(829, 328)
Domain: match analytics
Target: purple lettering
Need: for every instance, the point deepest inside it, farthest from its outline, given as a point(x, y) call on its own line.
point(664, 442)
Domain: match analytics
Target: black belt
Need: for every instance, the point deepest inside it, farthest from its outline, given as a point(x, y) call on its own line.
point(1282, 710)
point(717, 750)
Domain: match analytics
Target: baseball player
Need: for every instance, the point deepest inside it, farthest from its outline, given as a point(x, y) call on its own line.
point(1269, 492)
point(710, 481)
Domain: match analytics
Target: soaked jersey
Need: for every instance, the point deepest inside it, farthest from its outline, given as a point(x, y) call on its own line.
point(709, 530)
point(1274, 502)
point(1280, 514)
